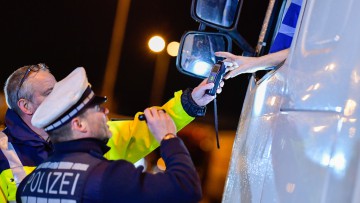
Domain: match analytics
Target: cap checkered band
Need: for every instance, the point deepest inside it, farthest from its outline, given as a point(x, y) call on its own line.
point(70, 115)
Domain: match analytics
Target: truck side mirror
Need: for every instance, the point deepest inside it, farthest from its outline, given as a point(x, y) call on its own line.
point(220, 14)
point(196, 52)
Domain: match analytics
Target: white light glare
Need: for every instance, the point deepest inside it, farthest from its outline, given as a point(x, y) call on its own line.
point(156, 44)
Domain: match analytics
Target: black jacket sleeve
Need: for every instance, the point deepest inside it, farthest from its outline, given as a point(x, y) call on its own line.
point(190, 106)
point(122, 182)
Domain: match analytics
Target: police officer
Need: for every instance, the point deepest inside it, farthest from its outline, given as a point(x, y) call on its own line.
point(24, 146)
point(77, 172)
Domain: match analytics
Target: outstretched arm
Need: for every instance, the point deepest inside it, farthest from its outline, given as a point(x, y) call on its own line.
point(244, 64)
point(132, 140)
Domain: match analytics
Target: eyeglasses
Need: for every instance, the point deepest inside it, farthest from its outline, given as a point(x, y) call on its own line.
point(33, 68)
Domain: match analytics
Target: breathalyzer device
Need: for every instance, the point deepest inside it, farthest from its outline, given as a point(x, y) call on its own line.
point(216, 75)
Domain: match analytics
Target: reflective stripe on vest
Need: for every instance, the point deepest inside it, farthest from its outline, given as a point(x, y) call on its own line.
point(61, 178)
point(14, 162)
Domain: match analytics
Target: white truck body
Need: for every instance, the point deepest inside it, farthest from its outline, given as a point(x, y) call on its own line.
point(298, 138)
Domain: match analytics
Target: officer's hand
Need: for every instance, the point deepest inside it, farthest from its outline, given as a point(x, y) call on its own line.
point(159, 123)
point(200, 97)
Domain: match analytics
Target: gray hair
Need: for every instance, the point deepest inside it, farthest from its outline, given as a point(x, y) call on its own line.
point(13, 88)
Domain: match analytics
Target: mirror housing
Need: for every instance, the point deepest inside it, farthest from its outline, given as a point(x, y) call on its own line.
point(196, 52)
point(222, 15)
point(219, 14)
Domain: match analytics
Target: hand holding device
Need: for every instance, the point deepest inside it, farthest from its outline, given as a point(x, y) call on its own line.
point(216, 75)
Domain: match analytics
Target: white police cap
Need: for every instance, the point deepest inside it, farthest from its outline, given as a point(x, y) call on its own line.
point(68, 97)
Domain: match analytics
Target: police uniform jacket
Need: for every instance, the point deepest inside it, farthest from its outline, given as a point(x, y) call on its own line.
point(77, 172)
point(131, 140)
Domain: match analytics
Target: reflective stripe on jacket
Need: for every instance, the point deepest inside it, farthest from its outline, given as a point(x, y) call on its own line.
point(15, 174)
point(16, 166)
point(131, 140)
point(111, 181)
point(21, 151)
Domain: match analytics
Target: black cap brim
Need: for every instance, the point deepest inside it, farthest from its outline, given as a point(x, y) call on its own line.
point(98, 100)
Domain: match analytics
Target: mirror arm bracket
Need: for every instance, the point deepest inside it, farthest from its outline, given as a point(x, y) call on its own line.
point(202, 27)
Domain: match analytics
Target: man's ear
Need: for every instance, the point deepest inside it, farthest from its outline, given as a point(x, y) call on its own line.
point(78, 124)
point(26, 106)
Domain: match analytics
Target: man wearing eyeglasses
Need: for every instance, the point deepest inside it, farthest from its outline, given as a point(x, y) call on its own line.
point(24, 146)
point(77, 172)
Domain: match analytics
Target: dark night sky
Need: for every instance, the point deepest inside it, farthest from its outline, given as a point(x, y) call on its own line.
point(70, 33)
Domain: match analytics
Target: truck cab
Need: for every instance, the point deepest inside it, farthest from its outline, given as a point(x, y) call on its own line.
point(297, 137)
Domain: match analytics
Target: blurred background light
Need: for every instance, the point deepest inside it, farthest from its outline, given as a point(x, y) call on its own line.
point(156, 44)
point(173, 48)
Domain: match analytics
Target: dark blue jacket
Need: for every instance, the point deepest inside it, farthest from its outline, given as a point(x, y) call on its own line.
point(29, 146)
point(115, 181)
point(21, 151)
